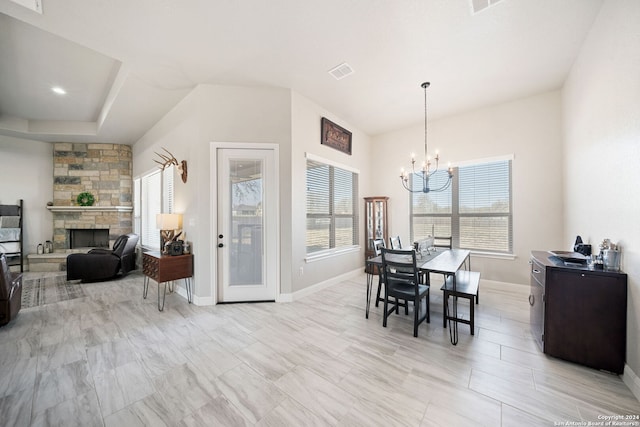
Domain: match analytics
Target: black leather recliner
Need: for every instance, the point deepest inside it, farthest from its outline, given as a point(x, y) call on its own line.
point(104, 264)
point(10, 292)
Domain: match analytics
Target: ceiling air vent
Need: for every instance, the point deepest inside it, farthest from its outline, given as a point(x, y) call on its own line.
point(480, 5)
point(341, 71)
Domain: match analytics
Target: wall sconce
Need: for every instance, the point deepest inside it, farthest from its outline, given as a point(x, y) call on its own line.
point(171, 160)
point(168, 224)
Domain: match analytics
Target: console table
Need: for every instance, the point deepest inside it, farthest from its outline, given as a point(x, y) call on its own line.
point(166, 268)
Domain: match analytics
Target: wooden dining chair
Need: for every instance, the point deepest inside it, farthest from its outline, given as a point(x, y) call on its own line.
point(402, 283)
point(394, 242)
point(378, 245)
point(441, 242)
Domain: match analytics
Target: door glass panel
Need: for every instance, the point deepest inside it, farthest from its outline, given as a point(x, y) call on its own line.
point(246, 241)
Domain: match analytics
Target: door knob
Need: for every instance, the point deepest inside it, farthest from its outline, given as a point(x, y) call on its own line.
point(220, 236)
point(220, 245)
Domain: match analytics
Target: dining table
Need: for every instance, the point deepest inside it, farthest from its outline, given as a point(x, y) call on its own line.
point(440, 261)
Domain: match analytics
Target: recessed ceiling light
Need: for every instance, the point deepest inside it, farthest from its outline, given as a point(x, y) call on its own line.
point(59, 90)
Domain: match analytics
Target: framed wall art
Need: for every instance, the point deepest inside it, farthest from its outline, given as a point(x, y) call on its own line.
point(335, 136)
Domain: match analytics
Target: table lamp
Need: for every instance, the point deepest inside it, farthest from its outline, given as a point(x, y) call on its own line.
point(168, 224)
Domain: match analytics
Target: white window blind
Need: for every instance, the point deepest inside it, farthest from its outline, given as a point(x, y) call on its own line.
point(137, 209)
point(332, 213)
point(476, 210)
point(151, 206)
point(167, 189)
point(155, 196)
point(431, 212)
point(485, 221)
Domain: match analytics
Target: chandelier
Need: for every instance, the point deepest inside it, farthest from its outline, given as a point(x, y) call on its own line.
point(429, 167)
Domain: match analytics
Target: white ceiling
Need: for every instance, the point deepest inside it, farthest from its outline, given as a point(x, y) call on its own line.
point(127, 63)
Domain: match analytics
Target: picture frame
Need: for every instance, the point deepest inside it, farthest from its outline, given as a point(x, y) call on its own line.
point(335, 136)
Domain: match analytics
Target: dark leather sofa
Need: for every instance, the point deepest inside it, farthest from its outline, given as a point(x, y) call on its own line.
point(104, 264)
point(10, 292)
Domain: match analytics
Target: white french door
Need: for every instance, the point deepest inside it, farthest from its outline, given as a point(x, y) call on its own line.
point(247, 230)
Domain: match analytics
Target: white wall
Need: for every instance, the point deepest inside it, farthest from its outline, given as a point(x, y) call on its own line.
point(529, 129)
point(306, 117)
point(218, 114)
point(224, 114)
point(601, 108)
point(27, 173)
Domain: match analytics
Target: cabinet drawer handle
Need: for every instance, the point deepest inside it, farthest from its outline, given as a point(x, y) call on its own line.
point(536, 271)
point(532, 299)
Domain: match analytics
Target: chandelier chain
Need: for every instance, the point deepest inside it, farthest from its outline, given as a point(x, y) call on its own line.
point(425, 86)
point(425, 173)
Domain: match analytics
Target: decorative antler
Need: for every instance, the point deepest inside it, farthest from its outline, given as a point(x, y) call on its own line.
point(167, 161)
point(171, 160)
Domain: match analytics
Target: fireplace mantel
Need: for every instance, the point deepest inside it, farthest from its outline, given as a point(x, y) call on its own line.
point(90, 208)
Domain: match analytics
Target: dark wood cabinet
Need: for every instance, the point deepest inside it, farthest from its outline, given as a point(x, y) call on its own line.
point(536, 301)
point(578, 314)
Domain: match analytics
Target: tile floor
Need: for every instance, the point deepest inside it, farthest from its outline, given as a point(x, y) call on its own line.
point(112, 359)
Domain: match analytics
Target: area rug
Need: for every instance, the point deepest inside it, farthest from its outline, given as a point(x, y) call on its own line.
point(49, 289)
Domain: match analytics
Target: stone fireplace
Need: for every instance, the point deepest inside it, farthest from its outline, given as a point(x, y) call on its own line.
point(104, 170)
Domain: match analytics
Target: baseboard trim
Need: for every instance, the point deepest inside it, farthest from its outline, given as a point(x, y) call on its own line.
point(284, 297)
point(201, 300)
point(196, 299)
point(499, 283)
point(632, 381)
point(309, 290)
point(292, 296)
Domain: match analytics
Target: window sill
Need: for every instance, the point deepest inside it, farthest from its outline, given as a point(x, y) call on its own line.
point(318, 256)
point(146, 248)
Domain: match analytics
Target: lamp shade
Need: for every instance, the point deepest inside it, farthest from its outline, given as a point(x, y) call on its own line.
point(170, 221)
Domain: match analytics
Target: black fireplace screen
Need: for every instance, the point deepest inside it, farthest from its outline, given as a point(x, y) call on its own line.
point(88, 238)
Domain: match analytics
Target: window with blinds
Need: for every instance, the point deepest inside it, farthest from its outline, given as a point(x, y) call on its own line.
point(153, 194)
point(332, 212)
point(476, 210)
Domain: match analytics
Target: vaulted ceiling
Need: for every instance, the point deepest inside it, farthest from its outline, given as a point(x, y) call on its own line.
point(124, 64)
